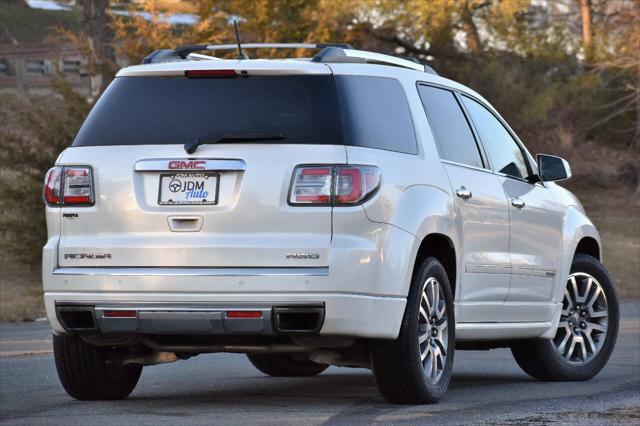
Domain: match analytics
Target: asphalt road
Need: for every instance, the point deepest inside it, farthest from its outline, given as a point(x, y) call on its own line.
point(487, 387)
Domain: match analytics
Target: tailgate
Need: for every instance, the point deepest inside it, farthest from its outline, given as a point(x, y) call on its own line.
point(136, 222)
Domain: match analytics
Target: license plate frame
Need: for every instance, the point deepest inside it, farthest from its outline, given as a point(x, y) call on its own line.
point(205, 175)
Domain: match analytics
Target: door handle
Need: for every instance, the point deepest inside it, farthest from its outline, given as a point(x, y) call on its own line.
point(463, 193)
point(185, 223)
point(517, 203)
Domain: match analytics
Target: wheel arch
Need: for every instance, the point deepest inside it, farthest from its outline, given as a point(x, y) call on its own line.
point(442, 248)
point(588, 245)
point(579, 236)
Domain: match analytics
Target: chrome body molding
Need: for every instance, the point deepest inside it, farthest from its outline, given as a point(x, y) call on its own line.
point(207, 164)
point(195, 272)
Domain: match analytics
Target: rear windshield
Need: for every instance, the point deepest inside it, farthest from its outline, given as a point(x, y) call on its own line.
point(342, 110)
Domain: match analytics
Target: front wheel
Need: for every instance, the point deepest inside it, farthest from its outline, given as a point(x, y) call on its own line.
point(416, 367)
point(586, 332)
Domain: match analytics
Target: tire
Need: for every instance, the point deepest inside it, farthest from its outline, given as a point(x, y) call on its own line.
point(400, 374)
point(549, 359)
point(85, 374)
point(285, 365)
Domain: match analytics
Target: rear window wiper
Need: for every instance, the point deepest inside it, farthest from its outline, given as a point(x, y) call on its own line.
point(219, 137)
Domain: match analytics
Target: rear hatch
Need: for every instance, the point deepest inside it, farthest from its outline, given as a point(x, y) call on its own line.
point(224, 205)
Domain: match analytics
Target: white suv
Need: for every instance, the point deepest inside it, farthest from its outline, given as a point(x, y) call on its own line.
point(352, 209)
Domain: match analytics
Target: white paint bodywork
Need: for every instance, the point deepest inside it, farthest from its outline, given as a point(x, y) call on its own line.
point(511, 264)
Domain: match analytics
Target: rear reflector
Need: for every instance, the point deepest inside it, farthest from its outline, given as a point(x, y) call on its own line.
point(244, 314)
point(210, 73)
point(120, 314)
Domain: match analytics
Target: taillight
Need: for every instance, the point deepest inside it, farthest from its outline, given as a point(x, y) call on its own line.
point(311, 185)
point(78, 186)
point(69, 186)
point(52, 186)
point(333, 185)
point(355, 183)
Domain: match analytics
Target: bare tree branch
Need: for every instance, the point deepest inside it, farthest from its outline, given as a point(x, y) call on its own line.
point(412, 48)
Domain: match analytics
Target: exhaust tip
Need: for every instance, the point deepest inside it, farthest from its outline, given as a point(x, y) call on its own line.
point(77, 318)
point(298, 320)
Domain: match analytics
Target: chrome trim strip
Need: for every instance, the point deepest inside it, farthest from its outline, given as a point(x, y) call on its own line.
point(180, 307)
point(196, 272)
point(215, 164)
point(467, 166)
point(487, 269)
point(536, 272)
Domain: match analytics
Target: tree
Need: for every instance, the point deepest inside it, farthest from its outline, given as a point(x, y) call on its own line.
point(616, 61)
point(99, 43)
point(587, 34)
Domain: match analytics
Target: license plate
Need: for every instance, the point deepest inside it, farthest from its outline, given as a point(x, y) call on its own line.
point(188, 189)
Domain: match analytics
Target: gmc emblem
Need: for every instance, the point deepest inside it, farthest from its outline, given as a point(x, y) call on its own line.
point(191, 165)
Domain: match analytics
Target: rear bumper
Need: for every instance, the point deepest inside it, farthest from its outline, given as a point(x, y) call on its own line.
point(344, 314)
point(363, 291)
point(190, 319)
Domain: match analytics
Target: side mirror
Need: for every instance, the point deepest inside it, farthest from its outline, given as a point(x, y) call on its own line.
point(551, 168)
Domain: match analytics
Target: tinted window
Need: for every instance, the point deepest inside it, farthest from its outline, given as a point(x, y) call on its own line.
point(306, 109)
point(376, 113)
point(161, 110)
point(453, 135)
point(503, 151)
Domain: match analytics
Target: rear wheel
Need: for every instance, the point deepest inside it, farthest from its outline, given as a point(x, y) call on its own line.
point(416, 367)
point(285, 365)
point(586, 332)
point(88, 372)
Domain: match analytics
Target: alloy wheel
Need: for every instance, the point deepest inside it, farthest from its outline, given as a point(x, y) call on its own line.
point(433, 335)
point(583, 324)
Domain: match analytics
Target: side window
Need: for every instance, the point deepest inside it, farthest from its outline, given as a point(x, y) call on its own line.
point(503, 151)
point(453, 135)
point(376, 113)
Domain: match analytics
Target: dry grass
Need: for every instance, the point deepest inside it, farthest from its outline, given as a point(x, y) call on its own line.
point(20, 293)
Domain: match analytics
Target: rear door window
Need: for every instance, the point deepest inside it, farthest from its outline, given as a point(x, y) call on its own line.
point(454, 138)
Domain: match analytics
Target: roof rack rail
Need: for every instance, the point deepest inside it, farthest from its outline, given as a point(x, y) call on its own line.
point(160, 55)
point(338, 55)
point(331, 52)
point(184, 51)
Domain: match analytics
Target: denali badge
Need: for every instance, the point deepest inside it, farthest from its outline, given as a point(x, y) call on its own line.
point(87, 256)
point(303, 256)
point(189, 165)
